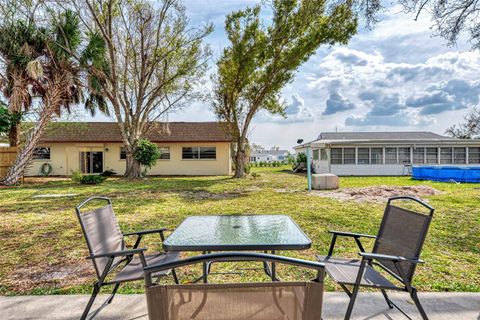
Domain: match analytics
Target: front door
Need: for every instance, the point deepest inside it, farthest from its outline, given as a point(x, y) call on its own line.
point(91, 161)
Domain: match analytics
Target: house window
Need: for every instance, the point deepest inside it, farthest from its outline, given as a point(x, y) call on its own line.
point(363, 156)
point(419, 155)
point(391, 156)
point(164, 153)
point(41, 153)
point(199, 153)
point(316, 154)
point(473, 155)
point(349, 156)
point(432, 155)
point(404, 155)
point(323, 154)
point(336, 154)
point(446, 156)
point(123, 153)
point(376, 155)
point(460, 155)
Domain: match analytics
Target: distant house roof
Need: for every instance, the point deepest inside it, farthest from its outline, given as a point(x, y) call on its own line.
point(379, 135)
point(271, 152)
point(159, 132)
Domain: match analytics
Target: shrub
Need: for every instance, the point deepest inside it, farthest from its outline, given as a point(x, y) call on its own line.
point(247, 168)
point(255, 175)
point(92, 179)
point(146, 153)
point(301, 157)
point(108, 173)
point(78, 177)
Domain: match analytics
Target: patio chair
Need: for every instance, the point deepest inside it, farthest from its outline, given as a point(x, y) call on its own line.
point(109, 254)
point(396, 251)
point(235, 301)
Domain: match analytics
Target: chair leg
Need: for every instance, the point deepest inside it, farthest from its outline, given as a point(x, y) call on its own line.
point(353, 297)
point(413, 295)
point(390, 305)
point(175, 277)
point(96, 289)
point(113, 293)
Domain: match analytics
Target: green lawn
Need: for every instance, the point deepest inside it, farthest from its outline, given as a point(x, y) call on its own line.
point(43, 251)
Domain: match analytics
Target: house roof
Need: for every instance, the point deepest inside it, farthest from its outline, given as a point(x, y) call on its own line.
point(411, 135)
point(159, 132)
point(383, 138)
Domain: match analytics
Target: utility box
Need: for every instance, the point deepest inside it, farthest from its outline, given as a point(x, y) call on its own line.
point(324, 181)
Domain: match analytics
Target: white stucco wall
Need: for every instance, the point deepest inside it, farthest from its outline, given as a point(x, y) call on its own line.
point(64, 158)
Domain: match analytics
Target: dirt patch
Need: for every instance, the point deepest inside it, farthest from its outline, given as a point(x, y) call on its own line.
point(253, 189)
point(54, 275)
point(377, 193)
point(283, 190)
point(204, 195)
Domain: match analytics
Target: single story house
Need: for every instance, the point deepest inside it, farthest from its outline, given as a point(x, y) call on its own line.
point(187, 148)
point(387, 153)
point(269, 155)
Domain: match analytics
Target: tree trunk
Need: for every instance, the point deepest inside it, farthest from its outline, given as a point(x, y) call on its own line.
point(13, 135)
point(17, 170)
point(240, 160)
point(133, 170)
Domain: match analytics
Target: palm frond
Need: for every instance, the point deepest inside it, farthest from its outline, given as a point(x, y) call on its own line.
point(66, 35)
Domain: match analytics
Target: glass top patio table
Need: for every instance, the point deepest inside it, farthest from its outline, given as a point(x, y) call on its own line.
point(237, 232)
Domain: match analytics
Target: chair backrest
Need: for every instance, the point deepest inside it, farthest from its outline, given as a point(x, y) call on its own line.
point(265, 301)
point(256, 301)
point(101, 231)
point(402, 233)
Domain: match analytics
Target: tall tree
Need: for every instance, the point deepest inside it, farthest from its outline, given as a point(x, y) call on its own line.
point(155, 57)
point(20, 44)
point(42, 72)
point(451, 18)
point(469, 128)
point(263, 57)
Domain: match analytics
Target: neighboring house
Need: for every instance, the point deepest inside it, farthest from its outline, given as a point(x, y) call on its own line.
point(269, 155)
point(388, 153)
point(187, 148)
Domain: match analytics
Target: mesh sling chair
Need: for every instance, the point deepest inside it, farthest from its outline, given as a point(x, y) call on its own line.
point(396, 250)
point(235, 301)
point(109, 254)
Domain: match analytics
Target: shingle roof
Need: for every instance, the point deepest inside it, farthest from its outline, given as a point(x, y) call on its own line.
point(159, 132)
point(379, 136)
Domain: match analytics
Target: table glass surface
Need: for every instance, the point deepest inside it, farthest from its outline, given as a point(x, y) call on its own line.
point(237, 232)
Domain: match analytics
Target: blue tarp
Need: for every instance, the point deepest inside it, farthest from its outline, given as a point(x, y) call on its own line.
point(448, 174)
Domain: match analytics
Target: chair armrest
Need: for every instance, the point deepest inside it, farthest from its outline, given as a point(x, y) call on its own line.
point(352, 234)
point(121, 253)
point(376, 256)
point(143, 232)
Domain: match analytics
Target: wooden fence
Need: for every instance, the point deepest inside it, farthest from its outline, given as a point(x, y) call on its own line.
point(7, 156)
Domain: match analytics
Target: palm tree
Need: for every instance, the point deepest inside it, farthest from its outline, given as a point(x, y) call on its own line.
point(20, 43)
point(54, 72)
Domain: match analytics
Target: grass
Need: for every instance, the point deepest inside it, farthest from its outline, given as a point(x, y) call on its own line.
point(43, 249)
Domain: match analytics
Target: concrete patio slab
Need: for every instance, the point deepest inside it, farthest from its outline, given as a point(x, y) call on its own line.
point(371, 306)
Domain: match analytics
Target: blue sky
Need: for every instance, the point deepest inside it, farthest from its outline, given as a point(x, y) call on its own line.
point(396, 77)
